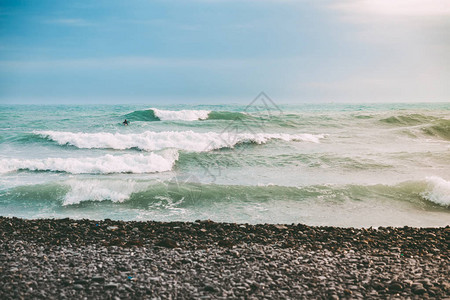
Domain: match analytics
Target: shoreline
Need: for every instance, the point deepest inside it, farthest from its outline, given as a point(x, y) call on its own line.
point(66, 258)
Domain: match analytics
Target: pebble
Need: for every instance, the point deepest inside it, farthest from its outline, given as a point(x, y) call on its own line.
point(111, 285)
point(209, 288)
point(99, 279)
point(167, 243)
point(395, 286)
point(207, 260)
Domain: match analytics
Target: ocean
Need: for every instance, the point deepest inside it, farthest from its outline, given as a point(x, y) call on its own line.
point(356, 165)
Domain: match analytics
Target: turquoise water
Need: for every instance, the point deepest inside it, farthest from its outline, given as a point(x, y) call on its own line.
point(329, 164)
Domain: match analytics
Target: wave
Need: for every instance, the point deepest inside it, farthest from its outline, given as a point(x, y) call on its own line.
point(154, 114)
point(142, 115)
point(431, 193)
point(409, 120)
point(183, 140)
point(436, 127)
point(101, 190)
point(128, 163)
point(324, 161)
point(440, 129)
point(438, 191)
point(183, 115)
point(227, 115)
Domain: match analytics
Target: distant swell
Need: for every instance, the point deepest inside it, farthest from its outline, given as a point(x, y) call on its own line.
point(183, 140)
point(227, 115)
point(408, 120)
point(128, 163)
point(432, 126)
point(440, 129)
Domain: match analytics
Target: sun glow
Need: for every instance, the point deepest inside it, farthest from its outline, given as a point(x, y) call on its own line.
point(398, 7)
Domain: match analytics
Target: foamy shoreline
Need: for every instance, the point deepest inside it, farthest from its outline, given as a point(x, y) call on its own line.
point(104, 259)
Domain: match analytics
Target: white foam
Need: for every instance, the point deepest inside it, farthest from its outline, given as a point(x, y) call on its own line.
point(183, 115)
point(101, 190)
point(127, 163)
point(438, 190)
point(184, 140)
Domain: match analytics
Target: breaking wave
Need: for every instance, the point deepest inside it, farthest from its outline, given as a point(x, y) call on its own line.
point(142, 115)
point(101, 190)
point(183, 115)
point(438, 191)
point(431, 193)
point(127, 163)
point(154, 114)
point(183, 140)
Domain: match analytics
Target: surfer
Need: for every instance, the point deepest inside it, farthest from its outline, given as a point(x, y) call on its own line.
point(125, 123)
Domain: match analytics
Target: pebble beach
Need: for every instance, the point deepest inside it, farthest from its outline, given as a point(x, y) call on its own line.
point(88, 259)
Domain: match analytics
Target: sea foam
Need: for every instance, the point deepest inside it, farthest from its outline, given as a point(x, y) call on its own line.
point(438, 190)
point(101, 190)
point(127, 163)
point(183, 140)
point(182, 115)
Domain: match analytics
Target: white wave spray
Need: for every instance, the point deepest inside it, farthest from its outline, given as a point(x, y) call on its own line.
point(127, 163)
point(101, 190)
point(438, 190)
point(183, 140)
point(182, 115)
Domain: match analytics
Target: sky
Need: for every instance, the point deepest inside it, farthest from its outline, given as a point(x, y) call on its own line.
point(222, 51)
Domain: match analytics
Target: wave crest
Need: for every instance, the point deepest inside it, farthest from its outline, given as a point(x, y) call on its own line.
point(101, 190)
point(182, 115)
point(128, 163)
point(183, 140)
point(438, 191)
point(154, 114)
point(142, 115)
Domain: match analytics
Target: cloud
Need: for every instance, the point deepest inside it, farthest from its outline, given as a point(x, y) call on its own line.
point(132, 62)
point(413, 8)
point(385, 83)
point(416, 28)
point(69, 22)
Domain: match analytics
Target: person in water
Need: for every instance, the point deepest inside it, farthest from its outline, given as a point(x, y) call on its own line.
point(125, 122)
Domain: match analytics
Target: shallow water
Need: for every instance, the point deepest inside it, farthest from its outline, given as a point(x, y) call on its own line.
point(329, 164)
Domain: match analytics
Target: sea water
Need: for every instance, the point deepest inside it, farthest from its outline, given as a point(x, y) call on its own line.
point(317, 164)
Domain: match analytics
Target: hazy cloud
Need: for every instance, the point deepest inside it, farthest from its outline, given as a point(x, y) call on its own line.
point(360, 9)
point(69, 22)
point(132, 62)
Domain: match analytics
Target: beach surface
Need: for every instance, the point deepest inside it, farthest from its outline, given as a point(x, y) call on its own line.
point(108, 259)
